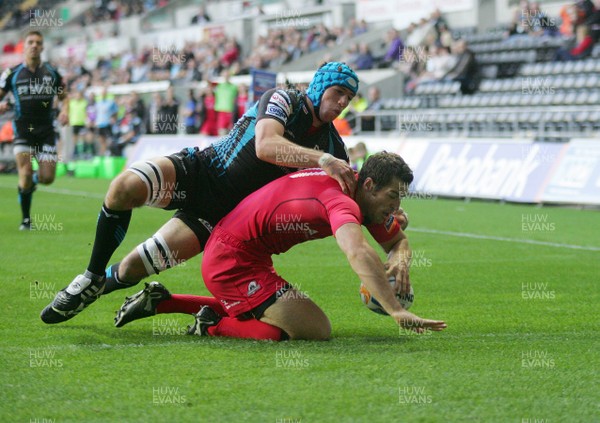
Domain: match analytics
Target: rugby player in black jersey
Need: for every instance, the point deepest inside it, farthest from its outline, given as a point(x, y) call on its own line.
point(34, 85)
point(286, 130)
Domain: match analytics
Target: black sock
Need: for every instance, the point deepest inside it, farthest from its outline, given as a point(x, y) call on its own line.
point(25, 201)
point(112, 280)
point(110, 230)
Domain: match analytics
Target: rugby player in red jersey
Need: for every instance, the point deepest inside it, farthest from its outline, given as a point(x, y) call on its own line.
point(250, 299)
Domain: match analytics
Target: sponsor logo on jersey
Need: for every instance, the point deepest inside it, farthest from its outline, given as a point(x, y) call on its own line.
point(252, 288)
point(277, 112)
point(279, 100)
point(228, 305)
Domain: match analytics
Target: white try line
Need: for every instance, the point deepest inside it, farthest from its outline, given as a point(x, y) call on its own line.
point(501, 238)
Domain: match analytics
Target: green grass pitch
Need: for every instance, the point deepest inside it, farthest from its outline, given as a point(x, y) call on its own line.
point(521, 344)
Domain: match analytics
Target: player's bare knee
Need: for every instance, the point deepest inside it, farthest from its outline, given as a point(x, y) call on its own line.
point(126, 191)
point(45, 179)
point(131, 268)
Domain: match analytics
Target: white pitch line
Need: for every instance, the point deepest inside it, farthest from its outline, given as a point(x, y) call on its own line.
point(501, 238)
point(63, 191)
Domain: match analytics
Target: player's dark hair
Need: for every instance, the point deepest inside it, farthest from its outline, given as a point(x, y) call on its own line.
point(33, 32)
point(383, 167)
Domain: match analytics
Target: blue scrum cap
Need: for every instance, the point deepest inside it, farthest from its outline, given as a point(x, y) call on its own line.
point(328, 75)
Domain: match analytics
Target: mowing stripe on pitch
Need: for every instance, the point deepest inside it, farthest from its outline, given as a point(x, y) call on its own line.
point(501, 238)
point(424, 230)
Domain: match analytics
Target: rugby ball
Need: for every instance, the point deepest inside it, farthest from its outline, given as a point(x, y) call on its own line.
point(372, 304)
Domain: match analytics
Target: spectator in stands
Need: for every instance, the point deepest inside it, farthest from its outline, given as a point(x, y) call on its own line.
point(412, 66)
point(89, 149)
point(77, 119)
point(139, 71)
point(106, 112)
point(209, 126)
point(567, 15)
point(8, 48)
point(465, 69)
point(357, 105)
point(395, 49)
point(169, 113)
point(375, 104)
point(154, 113)
point(539, 22)
point(241, 102)
point(231, 53)
point(138, 108)
point(439, 63)
point(584, 47)
point(445, 36)
point(202, 18)
point(126, 132)
point(358, 155)
point(225, 97)
point(190, 113)
point(364, 59)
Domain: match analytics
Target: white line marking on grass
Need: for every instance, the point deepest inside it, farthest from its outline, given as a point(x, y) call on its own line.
point(63, 191)
point(501, 238)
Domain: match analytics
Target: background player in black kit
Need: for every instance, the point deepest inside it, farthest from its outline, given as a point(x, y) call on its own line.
point(286, 130)
point(33, 85)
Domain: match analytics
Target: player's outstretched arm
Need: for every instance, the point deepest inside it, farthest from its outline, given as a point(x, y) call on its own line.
point(366, 264)
point(370, 270)
point(394, 242)
point(272, 147)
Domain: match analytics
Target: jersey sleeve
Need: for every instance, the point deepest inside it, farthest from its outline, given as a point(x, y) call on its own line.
point(341, 209)
point(5, 80)
point(276, 104)
point(384, 232)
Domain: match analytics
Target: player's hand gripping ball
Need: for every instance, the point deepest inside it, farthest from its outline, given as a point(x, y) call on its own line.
point(372, 304)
